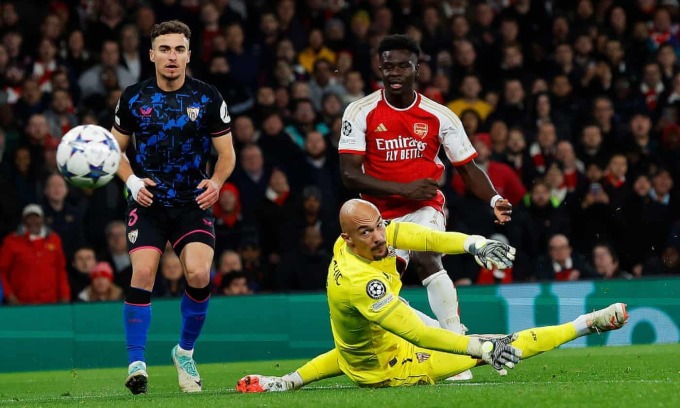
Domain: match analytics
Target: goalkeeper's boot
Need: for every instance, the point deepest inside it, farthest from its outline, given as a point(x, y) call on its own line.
point(137, 378)
point(612, 317)
point(467, 374)
point(261, 383)
point(187, 374)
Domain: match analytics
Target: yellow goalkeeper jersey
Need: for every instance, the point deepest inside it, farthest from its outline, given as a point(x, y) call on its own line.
point(370, 324)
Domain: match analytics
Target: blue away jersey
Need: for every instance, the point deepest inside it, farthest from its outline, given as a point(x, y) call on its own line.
point(171, 134)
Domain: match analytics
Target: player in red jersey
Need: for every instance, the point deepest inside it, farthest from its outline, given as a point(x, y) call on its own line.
point(388, 152)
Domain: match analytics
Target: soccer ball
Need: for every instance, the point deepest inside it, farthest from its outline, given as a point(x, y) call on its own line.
point(88, 156)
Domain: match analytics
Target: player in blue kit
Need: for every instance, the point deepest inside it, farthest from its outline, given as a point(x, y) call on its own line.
point(167, 125)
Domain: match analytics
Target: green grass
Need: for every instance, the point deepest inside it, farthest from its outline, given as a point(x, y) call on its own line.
point(634, 376)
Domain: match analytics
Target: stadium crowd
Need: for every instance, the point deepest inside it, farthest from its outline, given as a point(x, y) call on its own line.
point(573, 107)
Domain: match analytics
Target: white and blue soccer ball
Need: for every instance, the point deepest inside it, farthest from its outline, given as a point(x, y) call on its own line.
point(88, 156)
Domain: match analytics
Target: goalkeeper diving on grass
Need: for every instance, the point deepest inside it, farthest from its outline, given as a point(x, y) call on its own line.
point(380, 341)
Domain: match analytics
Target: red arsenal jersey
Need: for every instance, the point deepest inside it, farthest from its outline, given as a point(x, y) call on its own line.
point(402, 145)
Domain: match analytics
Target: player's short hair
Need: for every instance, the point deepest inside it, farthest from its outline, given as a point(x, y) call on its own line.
point(399, 42)
point(170, 27)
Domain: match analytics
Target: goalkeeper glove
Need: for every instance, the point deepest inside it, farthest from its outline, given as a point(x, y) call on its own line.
point(489, 253)
point(497, 352)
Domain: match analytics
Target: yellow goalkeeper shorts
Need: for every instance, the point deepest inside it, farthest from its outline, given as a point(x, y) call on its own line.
point(419, 366)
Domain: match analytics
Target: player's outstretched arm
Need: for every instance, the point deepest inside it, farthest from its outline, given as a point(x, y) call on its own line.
point(136, 185)
point(478, 182)
point(403, 322)
point(226, 161)
point(354, 178)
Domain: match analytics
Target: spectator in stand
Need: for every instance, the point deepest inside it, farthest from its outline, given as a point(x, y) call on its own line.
point(243, 62)
point(642, 148)
point(323, 82)
point(543, 150)
point(133, 58)
point(117, 255)
point(172, 282)
point(228, 219)
point(26, 175)
point(668, 264)
point(562, 263)
point(78, 59)
point(61, 216)
point(32, 101)
point(277, 147)
point(228, 262)
point(498, 132)
point(614, 182)
point(354, 87)
point(470, 89)
point(102, 288)
point(272, 212)
point(306, 267)
point(542, 112)
point(235, 284)
point(83, 261)
point(512, 110)
point(503, 178)
point(45, 64)
point(32, 263)
point(591, 149)
point(304, 120)
point(60, 116)
point(312, 211)
point(108, 25)
point(604, 117)
point(606, 263)
point(518, 158)
point(92, 81)
point(471, 121)
point(251, 178)
point(255, 268)
point(537, 219)
point(321, 170)
point(572, 167)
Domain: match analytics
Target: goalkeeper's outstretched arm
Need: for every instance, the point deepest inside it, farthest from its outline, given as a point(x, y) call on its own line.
point(488, 253)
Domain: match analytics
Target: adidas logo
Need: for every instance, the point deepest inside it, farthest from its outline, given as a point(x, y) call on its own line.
point(381, 128)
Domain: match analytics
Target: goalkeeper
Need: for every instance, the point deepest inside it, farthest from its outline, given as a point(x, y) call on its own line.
point(380, 341)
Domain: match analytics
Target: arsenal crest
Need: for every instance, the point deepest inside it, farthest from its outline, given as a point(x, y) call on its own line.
point(193, 113)
point(420, 129)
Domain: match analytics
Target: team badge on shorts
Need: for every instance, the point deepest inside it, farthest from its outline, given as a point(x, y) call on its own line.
point(376, 289)
point(132, 236)
point(422, 357)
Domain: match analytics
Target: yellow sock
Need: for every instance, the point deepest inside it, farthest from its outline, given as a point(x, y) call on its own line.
point(320, 367)
point(540, 339)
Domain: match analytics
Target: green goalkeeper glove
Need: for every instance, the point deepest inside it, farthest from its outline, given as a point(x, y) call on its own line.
point(490, 253)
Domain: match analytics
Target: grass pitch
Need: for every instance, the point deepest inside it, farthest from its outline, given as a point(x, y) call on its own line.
point(633, 376)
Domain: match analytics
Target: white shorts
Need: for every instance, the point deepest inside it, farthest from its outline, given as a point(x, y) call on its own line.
point(427, 217)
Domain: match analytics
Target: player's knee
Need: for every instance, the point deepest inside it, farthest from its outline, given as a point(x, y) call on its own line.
point(143, 277)
point(198, 276)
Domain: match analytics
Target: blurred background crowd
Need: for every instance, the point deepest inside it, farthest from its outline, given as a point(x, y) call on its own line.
point(573, 107)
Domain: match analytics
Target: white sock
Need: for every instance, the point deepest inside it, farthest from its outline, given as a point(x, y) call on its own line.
point(430, 322)
point(443, 299)
point(183, 352)
point(295, 378)
point(581, 325)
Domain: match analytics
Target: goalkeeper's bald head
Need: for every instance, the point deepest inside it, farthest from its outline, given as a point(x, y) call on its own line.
point(357, 212)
